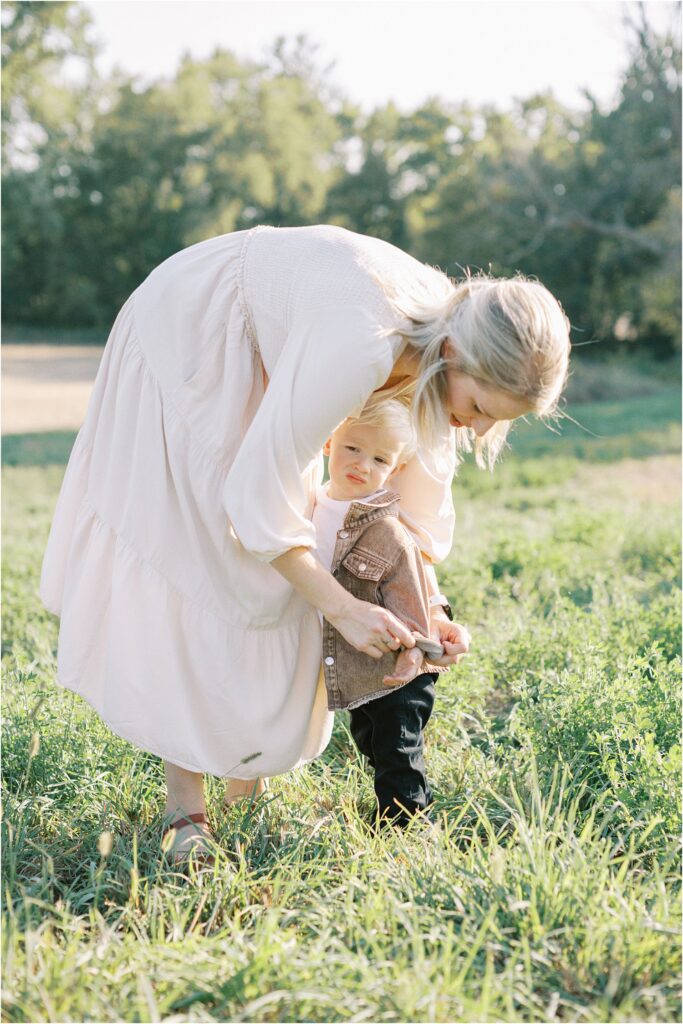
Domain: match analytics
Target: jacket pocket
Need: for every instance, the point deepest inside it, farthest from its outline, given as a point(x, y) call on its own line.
point(365, 565)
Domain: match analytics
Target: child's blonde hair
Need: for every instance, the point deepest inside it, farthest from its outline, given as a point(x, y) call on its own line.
point(508, 333)
point(390, 414)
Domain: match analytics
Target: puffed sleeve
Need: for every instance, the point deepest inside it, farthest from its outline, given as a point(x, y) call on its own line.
point(330, 364)
point(426, 508)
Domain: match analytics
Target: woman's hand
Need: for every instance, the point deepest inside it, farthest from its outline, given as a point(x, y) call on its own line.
point(455, 638)
point(371, 629)
point(367, 627)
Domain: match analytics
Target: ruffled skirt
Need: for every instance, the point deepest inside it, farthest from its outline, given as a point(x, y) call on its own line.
point(181, 641)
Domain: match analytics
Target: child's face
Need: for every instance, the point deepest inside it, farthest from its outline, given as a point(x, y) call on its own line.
point(361, 460)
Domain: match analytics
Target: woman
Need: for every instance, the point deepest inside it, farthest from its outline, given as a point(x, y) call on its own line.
point(179, 557)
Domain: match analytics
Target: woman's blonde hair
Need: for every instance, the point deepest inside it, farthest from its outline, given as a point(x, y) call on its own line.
point(508, 333)
point(393, 415)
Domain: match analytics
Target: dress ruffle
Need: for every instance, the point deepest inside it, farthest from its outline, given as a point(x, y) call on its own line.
point(182, 642)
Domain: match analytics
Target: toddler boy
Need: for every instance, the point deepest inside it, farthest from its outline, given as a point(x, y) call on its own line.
point(360, 540)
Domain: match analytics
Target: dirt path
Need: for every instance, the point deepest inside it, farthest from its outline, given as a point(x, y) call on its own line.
point(46, 387)
point(655, 480)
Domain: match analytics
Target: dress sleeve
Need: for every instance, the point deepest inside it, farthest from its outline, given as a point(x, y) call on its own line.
point(426, 508)
point(329, 365)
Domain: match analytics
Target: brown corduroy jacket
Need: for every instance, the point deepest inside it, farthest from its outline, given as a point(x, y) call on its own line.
point(376, 560)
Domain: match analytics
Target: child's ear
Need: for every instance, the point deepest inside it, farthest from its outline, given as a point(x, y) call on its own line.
point(398, 469)
point(326, 446)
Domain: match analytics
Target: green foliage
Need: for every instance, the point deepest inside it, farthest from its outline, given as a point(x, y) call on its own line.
point(617, 730)
point(36, 39)
point(51, 448)
point(103, 180)
point(550, 890)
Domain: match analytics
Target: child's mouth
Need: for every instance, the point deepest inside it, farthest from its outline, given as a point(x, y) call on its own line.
point(354, 479)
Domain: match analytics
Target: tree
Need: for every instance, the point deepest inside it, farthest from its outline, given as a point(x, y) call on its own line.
point(104, 179)
point(37, 38)
point(588, 203)
point(224, 145)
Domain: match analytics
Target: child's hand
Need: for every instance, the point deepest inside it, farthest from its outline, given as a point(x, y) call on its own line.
point(407, 667)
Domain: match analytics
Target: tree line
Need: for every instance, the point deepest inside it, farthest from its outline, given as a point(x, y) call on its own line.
point(104, 178)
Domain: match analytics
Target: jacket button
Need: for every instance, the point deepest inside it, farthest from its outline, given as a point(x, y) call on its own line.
point(343, 534)
point(329, 661)
point(362, 566)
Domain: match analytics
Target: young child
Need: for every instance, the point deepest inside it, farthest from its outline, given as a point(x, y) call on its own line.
point(360, 540)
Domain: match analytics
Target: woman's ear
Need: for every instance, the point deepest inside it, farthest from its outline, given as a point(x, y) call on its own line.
point(447, 349)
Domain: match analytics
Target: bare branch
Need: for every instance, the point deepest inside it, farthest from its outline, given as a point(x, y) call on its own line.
point(623, 232)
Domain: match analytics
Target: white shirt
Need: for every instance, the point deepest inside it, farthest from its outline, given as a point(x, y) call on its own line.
point(328, 518)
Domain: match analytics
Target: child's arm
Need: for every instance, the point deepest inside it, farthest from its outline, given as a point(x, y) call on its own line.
point(405, 593)
point(408, 665)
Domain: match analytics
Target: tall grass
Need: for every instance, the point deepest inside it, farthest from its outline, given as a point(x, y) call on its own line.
point(549, 890)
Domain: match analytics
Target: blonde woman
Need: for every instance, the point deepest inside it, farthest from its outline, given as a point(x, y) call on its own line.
point(179, 558)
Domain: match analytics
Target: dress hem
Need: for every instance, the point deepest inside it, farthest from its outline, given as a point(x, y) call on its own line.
point(229, 774)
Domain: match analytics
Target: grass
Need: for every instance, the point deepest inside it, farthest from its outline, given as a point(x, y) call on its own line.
point(23, 334)
point(550, 892)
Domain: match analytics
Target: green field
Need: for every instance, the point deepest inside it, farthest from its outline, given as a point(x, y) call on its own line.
point(550, 890)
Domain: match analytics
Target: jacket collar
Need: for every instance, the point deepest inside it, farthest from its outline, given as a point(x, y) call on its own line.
point(363, 511)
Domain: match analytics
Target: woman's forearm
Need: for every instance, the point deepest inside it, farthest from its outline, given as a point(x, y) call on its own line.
point(436, 612)
point(369, 628)
point(430, 573)
point(310, 579)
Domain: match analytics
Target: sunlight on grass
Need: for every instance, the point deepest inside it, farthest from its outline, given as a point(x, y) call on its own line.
point(549, 890)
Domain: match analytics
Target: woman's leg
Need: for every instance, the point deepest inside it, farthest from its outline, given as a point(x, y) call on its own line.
point(185, 796)
point(240, 789)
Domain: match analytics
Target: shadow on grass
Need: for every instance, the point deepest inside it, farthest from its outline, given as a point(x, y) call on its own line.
point(51, 448)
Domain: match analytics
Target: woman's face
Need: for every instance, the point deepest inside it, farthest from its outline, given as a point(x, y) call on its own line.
point(470, 403)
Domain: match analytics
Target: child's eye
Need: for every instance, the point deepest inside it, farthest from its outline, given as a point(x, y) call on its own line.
point(378, 458)
point(350, 448)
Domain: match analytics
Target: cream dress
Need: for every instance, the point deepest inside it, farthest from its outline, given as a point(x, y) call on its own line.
point(197, 464)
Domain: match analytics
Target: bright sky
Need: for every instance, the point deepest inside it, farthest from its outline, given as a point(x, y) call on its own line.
point(405, 50)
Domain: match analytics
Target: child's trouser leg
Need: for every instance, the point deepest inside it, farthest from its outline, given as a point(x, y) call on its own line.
point(398, 721)
point(361, 730)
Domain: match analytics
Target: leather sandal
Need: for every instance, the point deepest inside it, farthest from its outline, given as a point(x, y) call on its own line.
point(198, 853)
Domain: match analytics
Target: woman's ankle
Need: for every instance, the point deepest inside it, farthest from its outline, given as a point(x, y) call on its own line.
point(185, 791)
point(244, 789)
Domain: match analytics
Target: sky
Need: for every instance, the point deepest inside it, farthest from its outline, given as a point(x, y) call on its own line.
point(401, 50)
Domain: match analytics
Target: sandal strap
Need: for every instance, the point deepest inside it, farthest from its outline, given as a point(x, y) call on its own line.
point(198, 818)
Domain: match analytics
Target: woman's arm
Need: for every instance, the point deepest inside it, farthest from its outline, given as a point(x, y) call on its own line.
point(331, 362)
point(455, 637)
point(365, 626)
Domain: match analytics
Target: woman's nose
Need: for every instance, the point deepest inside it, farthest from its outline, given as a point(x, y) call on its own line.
point(481, 425)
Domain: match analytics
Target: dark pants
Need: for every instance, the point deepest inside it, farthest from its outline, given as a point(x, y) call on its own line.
point(389, 732)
